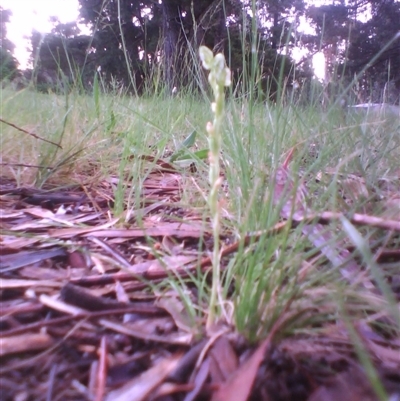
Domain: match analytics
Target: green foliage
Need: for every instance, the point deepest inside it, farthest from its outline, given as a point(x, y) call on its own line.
point(182, 150)
point(61, 60)
point(8, 65)
point(367, 40)
point(158, 44)
point(352, 45)
point(149, 47)
point(96, 94)
point(5, 43)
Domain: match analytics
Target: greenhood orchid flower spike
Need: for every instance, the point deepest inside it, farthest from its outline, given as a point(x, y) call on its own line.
point(219, 77)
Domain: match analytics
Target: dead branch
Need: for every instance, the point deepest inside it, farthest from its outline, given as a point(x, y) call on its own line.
point(29, 133)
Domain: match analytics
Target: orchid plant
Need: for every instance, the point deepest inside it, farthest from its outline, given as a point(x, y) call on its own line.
point(219, 78)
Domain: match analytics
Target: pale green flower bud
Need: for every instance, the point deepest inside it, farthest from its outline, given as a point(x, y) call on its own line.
point(206, 57)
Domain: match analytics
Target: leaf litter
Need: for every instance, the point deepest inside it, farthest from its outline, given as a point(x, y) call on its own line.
point(78, 320)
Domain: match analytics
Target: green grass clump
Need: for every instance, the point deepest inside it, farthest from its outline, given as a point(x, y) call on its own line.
point(93, 131)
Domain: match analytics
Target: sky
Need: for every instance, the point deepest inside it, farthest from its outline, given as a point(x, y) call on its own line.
point(35, 14)
point(31, 15)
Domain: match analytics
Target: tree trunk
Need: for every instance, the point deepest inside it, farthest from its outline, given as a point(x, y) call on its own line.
point(171, 35)
point(275, 31)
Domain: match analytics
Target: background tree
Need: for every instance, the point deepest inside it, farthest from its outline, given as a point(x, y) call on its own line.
point(146, 36)
point(61, 57)
point(8, 63)
point(124, 35)
point(153, 44)
point(352, 36)
point(381, 80)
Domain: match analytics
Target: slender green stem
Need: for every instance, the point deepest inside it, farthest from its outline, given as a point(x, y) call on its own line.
point(219, 77)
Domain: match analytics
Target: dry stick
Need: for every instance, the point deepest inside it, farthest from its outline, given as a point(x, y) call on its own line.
point(295, 202)
point(227, 250)
point(29, 133)
point(25, 165)
point(157, 276)
point(314, 232)
point(359, 219)
point(102, 370)
point(317, 236)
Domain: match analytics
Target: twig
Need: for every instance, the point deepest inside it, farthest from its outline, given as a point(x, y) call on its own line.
point(102, 370)
point(357, 219)
point(227, 250)
point(113, 252)
point(25, 165)
point(29, 133)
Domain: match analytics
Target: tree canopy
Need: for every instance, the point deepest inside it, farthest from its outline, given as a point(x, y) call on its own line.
point(8, 63)
point(151, 44)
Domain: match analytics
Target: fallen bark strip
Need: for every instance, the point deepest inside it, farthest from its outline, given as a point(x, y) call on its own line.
point(84, 315)
point(82, 298)
point(239, 384)
point(25, 342)
point(178, 230)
